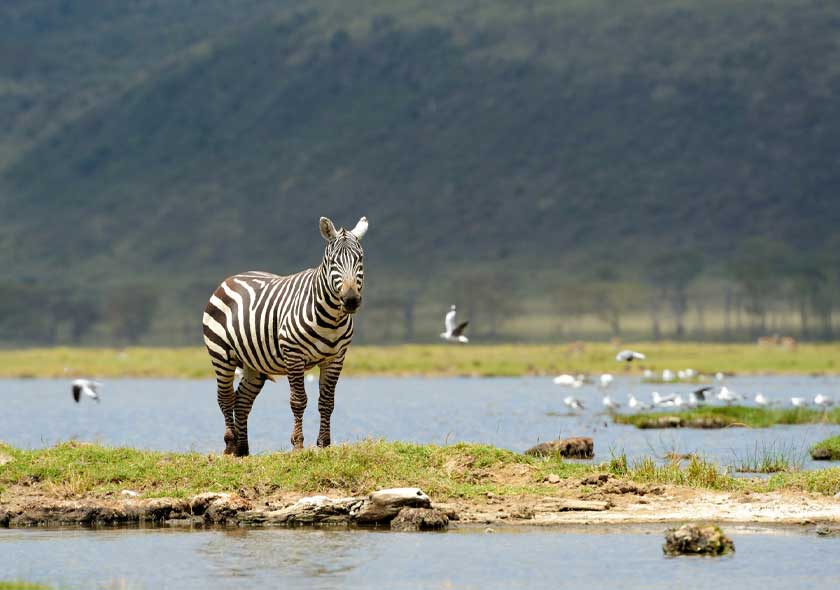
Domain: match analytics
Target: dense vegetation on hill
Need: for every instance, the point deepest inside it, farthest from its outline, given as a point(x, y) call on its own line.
point(613, 155)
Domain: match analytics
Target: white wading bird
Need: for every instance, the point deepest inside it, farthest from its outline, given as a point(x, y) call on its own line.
point(663, 401)
point(667, 375)
point(822, 400)
point(610, 404)
point(760, 400)
point(573, 402)
point(564, 379)
point(636, 404)
point(628, 356)
point(605, 380)
point(798, 402)
point(728, 396)
point(453, 333)
point(85, 387)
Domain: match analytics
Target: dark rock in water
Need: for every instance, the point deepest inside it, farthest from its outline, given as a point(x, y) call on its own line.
point(821, 454)
point(579, 447)
point(420, 519)
point(824, 530)
point(693, 539)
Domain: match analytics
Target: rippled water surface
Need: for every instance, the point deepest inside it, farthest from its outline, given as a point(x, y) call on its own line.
point(509, 412)
point(627, 557)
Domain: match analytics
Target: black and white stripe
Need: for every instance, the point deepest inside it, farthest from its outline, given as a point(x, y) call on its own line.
point(284, 325)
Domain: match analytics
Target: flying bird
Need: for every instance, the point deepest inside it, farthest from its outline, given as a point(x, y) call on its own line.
point(700, 393)
point(453, 333)
point(85, 387)
point(628, 356)
point(573, 403)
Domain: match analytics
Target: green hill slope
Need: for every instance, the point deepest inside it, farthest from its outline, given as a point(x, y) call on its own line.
point(499, 135)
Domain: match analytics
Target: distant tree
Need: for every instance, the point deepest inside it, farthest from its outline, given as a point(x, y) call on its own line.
point(670, 273)
point(758, 268)
point(129, 312)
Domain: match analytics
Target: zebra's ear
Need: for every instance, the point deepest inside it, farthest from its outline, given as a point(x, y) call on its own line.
point(361, 228)
point(328, 229)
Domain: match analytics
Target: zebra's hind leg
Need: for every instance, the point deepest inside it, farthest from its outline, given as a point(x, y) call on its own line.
point(248, 390)
point(225, 397)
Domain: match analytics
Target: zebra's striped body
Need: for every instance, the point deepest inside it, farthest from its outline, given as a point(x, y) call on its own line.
point(284, 325)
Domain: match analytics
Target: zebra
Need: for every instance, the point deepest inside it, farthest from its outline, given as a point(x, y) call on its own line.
point(270, 325)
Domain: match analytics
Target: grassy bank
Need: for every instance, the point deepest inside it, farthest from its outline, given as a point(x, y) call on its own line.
point(20, 585)
point(439, 359)
point(461, 470)
point(827, 450)
point(723, 416)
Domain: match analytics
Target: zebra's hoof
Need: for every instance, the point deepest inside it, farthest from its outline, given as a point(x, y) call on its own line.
point(323, 442)
point(230, 443)
point(242, 450)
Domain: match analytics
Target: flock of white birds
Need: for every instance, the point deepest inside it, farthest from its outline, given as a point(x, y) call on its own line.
point(699, 397)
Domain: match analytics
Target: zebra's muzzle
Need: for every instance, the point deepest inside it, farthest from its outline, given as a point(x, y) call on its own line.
point(351, 302)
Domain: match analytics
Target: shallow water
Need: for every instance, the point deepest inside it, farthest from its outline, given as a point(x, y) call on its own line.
point(514, 413)
point(527, 557)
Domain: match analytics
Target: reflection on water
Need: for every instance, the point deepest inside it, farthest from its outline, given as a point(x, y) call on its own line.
point(514, 413)
point(573, 557)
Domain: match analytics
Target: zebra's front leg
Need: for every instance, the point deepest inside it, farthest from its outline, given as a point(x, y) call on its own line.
point(297, 399)
point(248, 390)
point(326, 398)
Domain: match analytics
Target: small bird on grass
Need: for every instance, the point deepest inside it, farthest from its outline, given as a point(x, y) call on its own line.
point(85, 387)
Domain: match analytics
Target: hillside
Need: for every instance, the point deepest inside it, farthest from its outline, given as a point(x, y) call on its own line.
point(581, 137)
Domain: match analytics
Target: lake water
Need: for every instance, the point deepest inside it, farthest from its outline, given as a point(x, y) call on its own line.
point(524, 557)
point(514, 413)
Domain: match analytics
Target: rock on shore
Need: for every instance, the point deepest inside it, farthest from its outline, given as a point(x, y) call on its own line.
point(376, 509)
point(578, 447)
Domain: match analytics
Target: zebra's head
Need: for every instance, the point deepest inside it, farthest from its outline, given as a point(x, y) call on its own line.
point(344, 262)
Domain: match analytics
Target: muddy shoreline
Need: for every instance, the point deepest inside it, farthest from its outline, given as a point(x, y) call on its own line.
point(608, 501)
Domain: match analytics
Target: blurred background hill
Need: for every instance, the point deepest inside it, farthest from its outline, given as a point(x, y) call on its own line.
point(560, 169)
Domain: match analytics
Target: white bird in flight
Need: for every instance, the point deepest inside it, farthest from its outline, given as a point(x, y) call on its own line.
point(629, 356)
point(573, 402)
point(453, 333)
point(85, 387)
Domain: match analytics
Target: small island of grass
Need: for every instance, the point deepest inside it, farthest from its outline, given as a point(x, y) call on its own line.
point(727, 416)
point(827, 450)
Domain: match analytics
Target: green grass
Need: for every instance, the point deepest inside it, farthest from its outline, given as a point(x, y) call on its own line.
point(828, 449)
point(770, 458)
point(439, 359)
point(20, 585)
point(723, 416)
point(74, 469)
point(462, 470)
